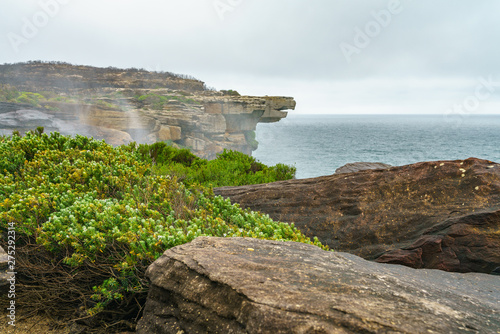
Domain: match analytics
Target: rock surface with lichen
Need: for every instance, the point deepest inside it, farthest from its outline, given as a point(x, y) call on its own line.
point(440, 215)
point(237, 285)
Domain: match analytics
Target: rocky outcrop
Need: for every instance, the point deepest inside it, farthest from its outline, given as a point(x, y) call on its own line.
point(120, 106)
point(218, 122)
point(441, 215)
point(359, 166)
point(236, 285)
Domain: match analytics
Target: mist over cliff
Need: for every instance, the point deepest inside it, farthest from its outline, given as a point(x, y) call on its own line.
point(125, 105)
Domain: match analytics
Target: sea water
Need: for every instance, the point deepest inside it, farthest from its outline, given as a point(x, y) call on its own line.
point(318, 144)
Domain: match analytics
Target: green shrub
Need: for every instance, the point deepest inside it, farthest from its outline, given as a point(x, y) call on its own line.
point(107, 105)
point(161, 153)
point(8, 93)
point(158, 102)
point(30, 98)
point(230, 92)
point(250, 138)
point(91, 218)
point(231, 168)
point(284, 172)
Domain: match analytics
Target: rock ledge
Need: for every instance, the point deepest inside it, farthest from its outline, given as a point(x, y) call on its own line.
point(437, 215)
point(236, 285)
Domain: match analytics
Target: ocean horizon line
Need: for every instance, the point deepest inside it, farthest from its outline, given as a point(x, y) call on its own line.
point(390, 114)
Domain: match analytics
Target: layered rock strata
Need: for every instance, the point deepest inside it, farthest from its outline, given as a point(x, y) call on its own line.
point(440, 215)
point(236, 285)
point(121, 106)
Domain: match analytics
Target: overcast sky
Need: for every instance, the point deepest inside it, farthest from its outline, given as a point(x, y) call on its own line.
point(333, 56)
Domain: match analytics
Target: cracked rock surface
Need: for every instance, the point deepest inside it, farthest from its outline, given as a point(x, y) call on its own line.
point(240, 285)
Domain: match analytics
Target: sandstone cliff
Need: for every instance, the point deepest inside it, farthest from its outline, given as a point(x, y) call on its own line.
point(120, 106)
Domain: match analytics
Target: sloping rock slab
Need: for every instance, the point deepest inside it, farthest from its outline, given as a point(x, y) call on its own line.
point(440, 215)
point(241, 285)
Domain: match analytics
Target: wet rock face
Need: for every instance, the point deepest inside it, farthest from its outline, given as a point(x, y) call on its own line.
point(237, 285)
point(206, 133)
point(441, 215)
point(24, 120)
point(219, 122)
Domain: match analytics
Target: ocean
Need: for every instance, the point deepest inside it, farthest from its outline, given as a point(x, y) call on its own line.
point(318, 144)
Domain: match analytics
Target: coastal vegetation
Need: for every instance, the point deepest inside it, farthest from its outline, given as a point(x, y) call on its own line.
point(37, 100)
point(231, 168)
point(40, 76)
point(230, 92)
point(154, 101)
point(11, 94)
point(90, 218)
point(158, 102)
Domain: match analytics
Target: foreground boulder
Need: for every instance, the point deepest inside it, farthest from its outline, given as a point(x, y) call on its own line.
point(236, 285)
point(440, 215)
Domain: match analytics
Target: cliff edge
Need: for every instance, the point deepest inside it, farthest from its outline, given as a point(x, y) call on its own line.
point(121, 106)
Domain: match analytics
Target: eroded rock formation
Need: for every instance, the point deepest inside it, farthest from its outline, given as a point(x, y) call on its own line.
point(236, 285)
point(120, 106)
point(441, 215)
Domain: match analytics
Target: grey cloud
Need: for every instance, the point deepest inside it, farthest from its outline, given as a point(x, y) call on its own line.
point(276, 44)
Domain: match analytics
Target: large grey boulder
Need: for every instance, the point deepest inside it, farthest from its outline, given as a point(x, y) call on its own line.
point(239, 285)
